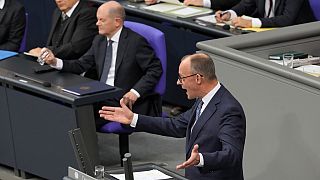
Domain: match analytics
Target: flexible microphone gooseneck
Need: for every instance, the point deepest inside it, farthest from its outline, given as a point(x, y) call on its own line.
point(226, 27)
point(43, 83)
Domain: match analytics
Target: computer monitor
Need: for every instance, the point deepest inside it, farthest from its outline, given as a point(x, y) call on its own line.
point(80, 151)
point(86, 168)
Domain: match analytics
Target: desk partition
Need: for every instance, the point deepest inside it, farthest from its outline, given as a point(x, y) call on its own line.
point(6, 151)
point(35, 119)
point(281, 104)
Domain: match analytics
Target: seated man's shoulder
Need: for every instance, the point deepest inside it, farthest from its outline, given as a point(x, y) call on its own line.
point(85, 8)
point(16, 5)
point(98, 38)
point(134, 35)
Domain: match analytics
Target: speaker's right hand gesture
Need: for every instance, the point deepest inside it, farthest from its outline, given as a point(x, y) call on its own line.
point(121, 114)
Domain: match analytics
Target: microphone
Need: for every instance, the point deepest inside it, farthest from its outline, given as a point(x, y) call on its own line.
point(43, 83)
point(127, 165)
point(226, 27)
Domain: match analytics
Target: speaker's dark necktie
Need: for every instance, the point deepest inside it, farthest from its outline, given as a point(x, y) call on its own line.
point(107, 62)
point(198, 113)
point(270, 8)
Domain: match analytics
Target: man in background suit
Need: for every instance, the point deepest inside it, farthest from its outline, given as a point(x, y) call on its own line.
point(72, 31)
point(213, 4)
point(214, 127)
point(268, 13)
point(133, 65)
point(12, 24)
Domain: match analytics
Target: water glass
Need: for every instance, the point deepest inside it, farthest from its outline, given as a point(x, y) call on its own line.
point(40, 59)
point(288, 60)
point(99, 172)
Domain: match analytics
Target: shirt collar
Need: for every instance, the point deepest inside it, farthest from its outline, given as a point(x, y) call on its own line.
point(2, 2)
point(116, 36)
point(69, 13)
point(206, 99)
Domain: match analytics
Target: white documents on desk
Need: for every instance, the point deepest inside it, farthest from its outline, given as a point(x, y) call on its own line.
point(143, 175)
point(208, 18)
point(172, 2)
point(310, 69)
point(177, 9)
point(299, 62)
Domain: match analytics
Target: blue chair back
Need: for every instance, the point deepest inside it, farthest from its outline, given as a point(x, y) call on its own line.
point(315, 6)
point(157, 41)
point(23, 43)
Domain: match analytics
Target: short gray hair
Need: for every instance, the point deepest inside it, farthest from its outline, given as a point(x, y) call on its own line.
point(118, 12)
point(202, 63)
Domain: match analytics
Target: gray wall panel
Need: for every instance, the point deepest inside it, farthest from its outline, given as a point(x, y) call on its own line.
point(282, 123)
point(281, 104)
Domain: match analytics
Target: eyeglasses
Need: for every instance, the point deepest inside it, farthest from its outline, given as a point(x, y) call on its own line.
point(184, 77)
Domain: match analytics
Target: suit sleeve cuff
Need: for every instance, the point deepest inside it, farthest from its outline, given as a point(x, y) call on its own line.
point(201, 163)
point(134, 120)
point(59, 64)
point(256, 23)
point(135, 92)
point(233, 14)
point(207, 3)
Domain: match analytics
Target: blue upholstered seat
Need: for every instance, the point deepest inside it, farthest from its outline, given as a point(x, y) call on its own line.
point(156, 40)
point(23, 43)
point(315, 6)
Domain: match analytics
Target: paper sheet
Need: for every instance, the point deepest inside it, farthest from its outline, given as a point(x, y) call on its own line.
point(257, 29)
point(6, 54)
point(143, 175)
point(310, 69)
point(162, 7)
point(209, 18)
point(186, 11)
point(172, 2)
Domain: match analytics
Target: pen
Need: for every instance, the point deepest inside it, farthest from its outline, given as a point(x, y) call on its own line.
point(132, 6)
point(200, 23)
point(223, 13)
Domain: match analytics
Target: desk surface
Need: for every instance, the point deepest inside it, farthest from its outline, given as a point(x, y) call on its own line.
point(146, 167)
point(189, 23)
point(37, 118)
point(24, 65)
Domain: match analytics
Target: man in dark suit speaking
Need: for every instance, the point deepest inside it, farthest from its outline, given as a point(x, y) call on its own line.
point(122, 58)
point(214, 127)
point(72, 29)
point(268, 13)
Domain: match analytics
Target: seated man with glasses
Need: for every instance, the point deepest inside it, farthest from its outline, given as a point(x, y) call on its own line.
point(215, 127)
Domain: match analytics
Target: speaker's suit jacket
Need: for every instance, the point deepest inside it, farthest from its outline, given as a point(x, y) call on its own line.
point(287, 12)
point(223, 4)
point(219, 132)
point(137, 67)
point(77, 34)
point(12, 25)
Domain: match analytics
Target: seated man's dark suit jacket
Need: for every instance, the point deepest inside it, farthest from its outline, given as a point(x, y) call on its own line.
point(77, 34)
point(220, 133)
point(223, 4)
point(12, 25)
point(137, 67)
point(287, 12)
